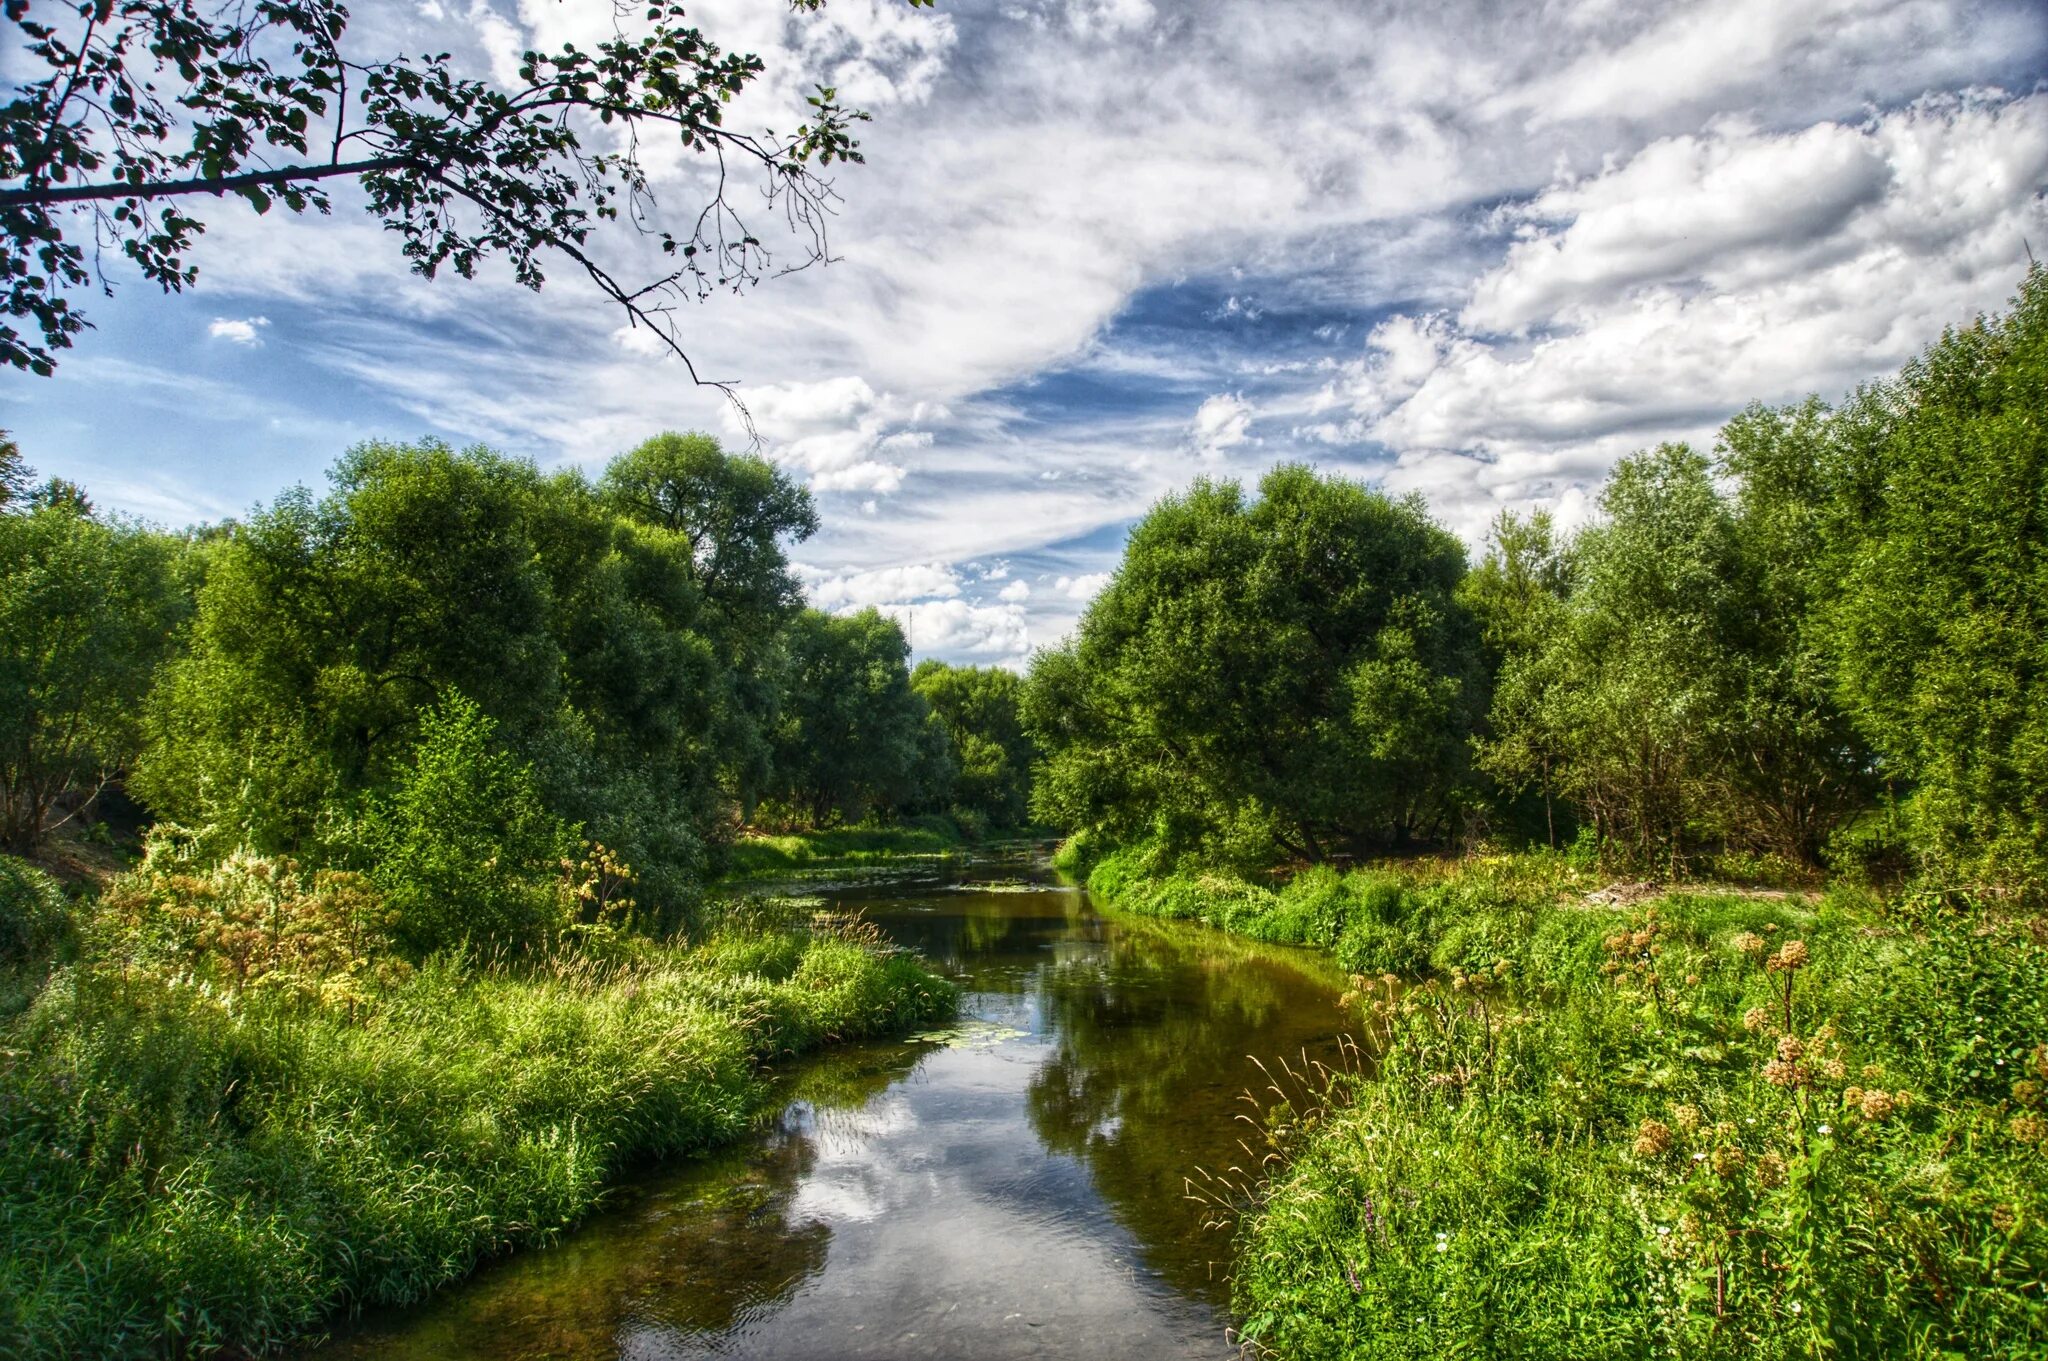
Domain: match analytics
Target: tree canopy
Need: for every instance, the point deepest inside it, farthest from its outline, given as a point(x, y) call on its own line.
point(1290, 670)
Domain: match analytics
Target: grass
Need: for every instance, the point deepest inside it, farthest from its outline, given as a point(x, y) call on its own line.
point(1646, 1124)
point(189, 1168)
point(762, 856)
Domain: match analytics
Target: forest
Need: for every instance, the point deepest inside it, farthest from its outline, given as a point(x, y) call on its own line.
point(436, 781)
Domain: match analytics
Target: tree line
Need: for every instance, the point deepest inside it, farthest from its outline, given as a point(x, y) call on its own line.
point(465, 677)
point(1825, 643)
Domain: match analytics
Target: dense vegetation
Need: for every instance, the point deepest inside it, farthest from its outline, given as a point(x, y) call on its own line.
point(1635, 1120)
point(435, 770)
point(1819, 648)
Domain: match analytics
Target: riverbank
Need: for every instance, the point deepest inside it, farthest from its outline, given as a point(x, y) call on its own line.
point(761, 856)
point(188, 1166)
point(1626, 1122)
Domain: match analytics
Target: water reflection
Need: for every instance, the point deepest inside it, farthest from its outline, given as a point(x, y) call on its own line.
point(1014, 1191)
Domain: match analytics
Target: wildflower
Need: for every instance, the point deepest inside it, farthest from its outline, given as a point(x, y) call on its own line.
point(1873, 1071)
point(1791, 955)
point(1902, 1099)
point(1686, 1117)
point(1725, 1131)
point(1794, 1306)
point(2002, 1218)
point(1653, 1139)
point(1728, 1161)
point(1443, 1242)
point(1781, 1073)
point(1834, 1070)
point(2029, 1128)
point(1852, 1096)
point(1790, 1049)
point(1641, 939)
point(1617, 942)
point(1692, 980)
point(1770, 1170)
point(1876, 1105)
point(2041, 1061)
point(2026, 1093)
point(1502, 968)
point(1825, 1129)
point(1756, 1018)
point(1748, 942)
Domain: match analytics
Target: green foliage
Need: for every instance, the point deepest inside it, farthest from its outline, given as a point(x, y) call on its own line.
point(1939, 623)
point(462, 847)
point(852, 737)
point(753, 857)
point(189, 1166)
point(34, 916)
point(981, 710)
point(1291, 672)
point(1696, 1126)
point(88, 610)
point(627, 657)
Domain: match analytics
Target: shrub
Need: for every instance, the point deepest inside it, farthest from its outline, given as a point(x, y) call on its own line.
point(463, 848)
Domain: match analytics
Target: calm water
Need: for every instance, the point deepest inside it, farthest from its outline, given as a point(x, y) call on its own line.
point(1012, 1189)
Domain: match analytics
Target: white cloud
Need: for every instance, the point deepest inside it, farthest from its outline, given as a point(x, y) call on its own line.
point(882, 586)
point(1082, 588)
point(1016, 593)
point(238, 330)
point(1221, 423)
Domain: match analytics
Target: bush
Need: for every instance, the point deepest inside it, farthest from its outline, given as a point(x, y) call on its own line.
point(34, 914)
point(463, 848)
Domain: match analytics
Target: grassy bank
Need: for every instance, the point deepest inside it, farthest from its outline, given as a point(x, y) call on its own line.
point(1623, 1124)
point(764, 856)
point(189, 1165)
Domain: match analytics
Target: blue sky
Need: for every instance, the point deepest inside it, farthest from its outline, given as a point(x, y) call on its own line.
point(1103, 247)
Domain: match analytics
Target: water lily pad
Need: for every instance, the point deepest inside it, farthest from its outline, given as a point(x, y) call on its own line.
point(969, 1035)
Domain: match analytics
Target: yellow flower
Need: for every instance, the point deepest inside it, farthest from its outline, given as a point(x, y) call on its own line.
point(1876, 1105)
point(1687, 1117)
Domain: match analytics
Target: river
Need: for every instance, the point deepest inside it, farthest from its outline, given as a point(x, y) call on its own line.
point(1011, 1186)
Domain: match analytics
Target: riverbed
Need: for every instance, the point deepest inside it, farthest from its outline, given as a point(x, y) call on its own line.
point(1012, 1185)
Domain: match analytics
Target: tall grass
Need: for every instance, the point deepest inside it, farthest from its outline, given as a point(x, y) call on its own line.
point(187, 1168)
point(1697, 1124)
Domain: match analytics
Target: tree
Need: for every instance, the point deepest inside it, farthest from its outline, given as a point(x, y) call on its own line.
point(15, 474)
point(1517, 594)
point(851, 736)
point(137, 107)
point(88, 611)
point(1293, 672)
point(1631, 696)
point(979, 708)
point(731, 514)
point(1938, 489)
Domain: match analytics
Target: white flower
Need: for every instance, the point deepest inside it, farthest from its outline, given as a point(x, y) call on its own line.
point(1827, 1129)
point(1663, 1230)
point(1795, 1306)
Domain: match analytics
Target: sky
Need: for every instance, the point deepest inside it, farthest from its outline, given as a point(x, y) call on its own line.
point(1100, 248)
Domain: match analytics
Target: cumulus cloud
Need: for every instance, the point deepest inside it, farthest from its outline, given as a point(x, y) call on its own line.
point(1082, 588)
point(238, 330)
point(1016, 593)
point(830, 590)
point(1221, 423)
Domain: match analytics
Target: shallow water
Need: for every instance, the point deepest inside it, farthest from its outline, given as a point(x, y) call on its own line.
point(1011, 1186)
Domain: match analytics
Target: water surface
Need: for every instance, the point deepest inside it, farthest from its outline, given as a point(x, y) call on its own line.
point(1014, 1187)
